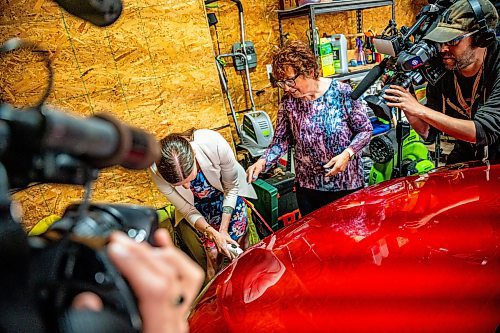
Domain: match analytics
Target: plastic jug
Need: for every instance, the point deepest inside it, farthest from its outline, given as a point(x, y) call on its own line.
point(326, 57)
point(339, 46)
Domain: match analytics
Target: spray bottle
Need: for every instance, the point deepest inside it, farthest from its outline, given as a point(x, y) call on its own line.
point(360, 54)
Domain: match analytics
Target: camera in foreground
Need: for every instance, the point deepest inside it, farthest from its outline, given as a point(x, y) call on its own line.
point(71, 257)
point(43, 274)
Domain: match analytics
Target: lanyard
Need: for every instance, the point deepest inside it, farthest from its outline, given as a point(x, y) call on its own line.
point(461, 100)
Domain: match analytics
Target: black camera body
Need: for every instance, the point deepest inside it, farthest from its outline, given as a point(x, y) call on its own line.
point(412, 59)
point(41, 275)
point(420, 63)
point(44, 273)
point(71, 257)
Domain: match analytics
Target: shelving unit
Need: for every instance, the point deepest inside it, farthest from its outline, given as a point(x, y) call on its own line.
point(356, 73)
point(335, 6)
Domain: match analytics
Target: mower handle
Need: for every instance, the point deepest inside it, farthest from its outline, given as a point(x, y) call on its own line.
point(237, 2)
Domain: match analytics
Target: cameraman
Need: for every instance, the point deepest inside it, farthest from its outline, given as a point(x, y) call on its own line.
point(465, 102)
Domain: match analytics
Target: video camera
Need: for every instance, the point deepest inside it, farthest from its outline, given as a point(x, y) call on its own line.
point(41, 275)
point(409, 62)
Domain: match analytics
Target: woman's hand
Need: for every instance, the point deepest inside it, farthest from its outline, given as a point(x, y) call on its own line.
point(255, 169)
point(221, 239)
point(337, 164)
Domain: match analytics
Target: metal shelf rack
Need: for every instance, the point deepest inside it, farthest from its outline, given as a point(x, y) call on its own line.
point(335, 6)
point(356, 74)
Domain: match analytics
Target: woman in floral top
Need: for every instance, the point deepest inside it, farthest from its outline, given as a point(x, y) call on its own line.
point(326, 127)
point(199, 174)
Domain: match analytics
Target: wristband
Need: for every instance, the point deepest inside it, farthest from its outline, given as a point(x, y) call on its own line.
point(227, 210)
point(351, 153)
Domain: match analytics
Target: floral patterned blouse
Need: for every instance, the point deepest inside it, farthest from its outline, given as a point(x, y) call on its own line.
point(320, 130)
point(208, 201)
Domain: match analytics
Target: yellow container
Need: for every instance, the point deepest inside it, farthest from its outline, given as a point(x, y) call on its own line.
point(327, 65)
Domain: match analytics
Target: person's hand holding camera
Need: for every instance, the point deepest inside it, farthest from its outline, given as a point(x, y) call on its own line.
point(401, 98)
point(164, 280)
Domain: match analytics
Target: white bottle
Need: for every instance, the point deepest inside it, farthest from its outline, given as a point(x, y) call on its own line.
point(339, 46)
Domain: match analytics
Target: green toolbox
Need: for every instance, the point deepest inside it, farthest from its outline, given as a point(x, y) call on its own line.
point(276, 199)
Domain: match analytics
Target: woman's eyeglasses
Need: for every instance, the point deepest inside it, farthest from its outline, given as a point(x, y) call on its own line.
point(288, 82)
point(455, 41)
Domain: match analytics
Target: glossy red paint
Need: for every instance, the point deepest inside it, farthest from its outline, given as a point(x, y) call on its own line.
point(414, 254)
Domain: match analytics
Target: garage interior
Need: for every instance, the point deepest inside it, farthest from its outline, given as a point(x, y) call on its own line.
point(171, 66)
point(154, 69)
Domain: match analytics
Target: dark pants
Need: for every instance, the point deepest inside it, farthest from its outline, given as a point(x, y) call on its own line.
point(310, 200)
point(188, 240)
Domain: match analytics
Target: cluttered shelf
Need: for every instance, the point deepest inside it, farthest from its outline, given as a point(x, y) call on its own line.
point(331, 7)
point(332, 48)
point(357, 72)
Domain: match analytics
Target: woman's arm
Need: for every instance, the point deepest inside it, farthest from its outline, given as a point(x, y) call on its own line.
point(185, 209)
point(229, 172)
point(278, 147)
point(219, 238)
point(230, 183)
point(358, 122)
point(361, 127)
point(281, 138)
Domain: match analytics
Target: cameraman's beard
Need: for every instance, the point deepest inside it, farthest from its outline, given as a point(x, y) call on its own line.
point(465, 60)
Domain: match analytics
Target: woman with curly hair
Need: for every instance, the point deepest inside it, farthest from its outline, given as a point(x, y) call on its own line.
point(327, 128)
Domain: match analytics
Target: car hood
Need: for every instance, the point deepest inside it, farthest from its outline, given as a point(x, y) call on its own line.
point(417, 253)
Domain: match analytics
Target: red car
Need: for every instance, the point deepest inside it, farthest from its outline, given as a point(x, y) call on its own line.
point(417, 254)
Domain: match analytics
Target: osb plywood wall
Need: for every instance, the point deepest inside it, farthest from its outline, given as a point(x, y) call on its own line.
point(153, 69)
point(261, 27)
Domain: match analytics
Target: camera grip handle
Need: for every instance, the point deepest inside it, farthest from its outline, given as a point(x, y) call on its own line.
point(83, 321)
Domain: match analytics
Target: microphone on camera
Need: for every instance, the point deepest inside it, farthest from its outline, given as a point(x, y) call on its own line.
point(369, 79)
point(101, 140)
point(98, 12)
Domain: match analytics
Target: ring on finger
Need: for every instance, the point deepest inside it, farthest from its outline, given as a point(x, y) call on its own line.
point(178, 301)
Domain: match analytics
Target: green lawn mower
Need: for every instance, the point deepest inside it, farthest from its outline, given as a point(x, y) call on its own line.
point(383, 151)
